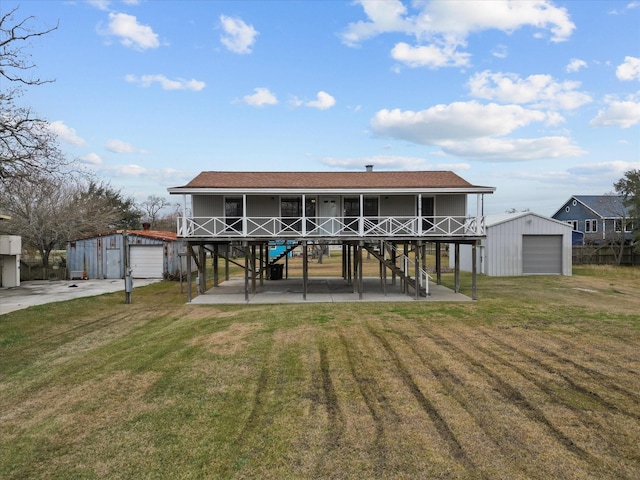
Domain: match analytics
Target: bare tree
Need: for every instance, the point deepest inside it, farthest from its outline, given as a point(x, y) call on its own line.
point(152, 206)
point(49, 210)
point(629, 188)
point(26, 143)
point(615, 228)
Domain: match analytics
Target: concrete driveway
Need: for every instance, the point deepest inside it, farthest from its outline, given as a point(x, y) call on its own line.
point(39, 292)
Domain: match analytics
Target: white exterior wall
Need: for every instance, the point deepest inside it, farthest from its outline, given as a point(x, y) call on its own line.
point(500, 253)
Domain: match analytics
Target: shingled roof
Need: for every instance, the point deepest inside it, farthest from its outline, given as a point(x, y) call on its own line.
point(328, 180)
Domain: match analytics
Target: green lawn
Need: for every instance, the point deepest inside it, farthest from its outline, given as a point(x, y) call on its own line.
point(538, 379)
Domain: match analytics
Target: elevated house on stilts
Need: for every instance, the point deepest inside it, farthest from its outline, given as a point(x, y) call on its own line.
point(386, 213)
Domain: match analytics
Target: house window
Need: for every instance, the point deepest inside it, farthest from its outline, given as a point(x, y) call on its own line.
point(590, 226)
point(370, 206)
point(291, 211)
point(573, 223)
point(628, 226)
point(291, 207)
point(233, 213)
point(351, 212)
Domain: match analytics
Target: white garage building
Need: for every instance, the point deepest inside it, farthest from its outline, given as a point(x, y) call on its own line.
point(521, 243)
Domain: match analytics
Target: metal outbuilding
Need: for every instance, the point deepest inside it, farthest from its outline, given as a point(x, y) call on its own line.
point(523, 243)
point(152, 254)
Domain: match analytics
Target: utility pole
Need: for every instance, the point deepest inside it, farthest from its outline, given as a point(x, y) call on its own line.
point(128, 279)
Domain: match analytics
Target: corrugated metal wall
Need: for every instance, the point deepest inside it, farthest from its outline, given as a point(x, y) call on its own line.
point(96, 255)
point(500, 254)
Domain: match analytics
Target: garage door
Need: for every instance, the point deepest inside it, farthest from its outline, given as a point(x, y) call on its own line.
point(542, 254)
point(146, 261)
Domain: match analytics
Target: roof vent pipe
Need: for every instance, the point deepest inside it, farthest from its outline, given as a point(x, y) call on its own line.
point(369, 168)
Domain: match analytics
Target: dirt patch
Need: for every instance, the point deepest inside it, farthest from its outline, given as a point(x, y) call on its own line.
point(227, 342)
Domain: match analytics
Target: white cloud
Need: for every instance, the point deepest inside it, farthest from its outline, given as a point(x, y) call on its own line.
point(459, 120)
point(629, 70)
point(618, 113)
point(323, 101)
point(262, 97)
point(383, 17)
point(91, 159)
point(166, 83)
point(576, 64)
point(513, 150)
point(99, 4)
point(131, 33)
point(604, 168)
point(541, 91)
point(432, 56)
point(473, 130)
point(238, 37)
point(441, 27)
point(65, 133)
point(501, 51)
point(118, 146)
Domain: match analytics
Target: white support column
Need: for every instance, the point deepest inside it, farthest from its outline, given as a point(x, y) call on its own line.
point(419, 214)
point(304, 216)
point(361, 220)
point(244, 215)
point(184, 214)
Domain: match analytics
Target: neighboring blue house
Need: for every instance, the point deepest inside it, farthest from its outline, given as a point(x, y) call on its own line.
point(600, 218)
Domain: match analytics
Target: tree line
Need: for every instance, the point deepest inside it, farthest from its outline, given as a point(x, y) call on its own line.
point(46, 198)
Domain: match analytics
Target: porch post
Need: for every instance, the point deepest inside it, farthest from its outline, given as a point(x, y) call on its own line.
point(189, 253)
point(419, 214)
point(202, 256)
point(305, 271)
point(360, 284)
point(253, 268)
point(344, 266)
point(215, 265)
point(383, 251)
point(479, 213)
point(263, 250)
point(457, 267)
point(474, 286)
point(184, 214)
point(246, 271)
point(438, 263)
point(226, 262)
point(361, 221)
point(244, 215)
point(416, 266)
point(304, 217)
point(349, 266)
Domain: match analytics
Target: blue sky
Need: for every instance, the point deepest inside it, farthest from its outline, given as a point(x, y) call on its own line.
point(540, 99)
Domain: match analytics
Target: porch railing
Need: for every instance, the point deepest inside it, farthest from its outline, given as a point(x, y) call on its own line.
point(323, 227)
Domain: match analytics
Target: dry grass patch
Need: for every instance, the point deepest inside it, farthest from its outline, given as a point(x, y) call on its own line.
point(538, 379)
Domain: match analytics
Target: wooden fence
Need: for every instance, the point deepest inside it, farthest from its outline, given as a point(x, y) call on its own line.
point(603, 255)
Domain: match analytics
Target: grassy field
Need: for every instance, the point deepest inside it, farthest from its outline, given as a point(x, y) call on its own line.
point(538, 379)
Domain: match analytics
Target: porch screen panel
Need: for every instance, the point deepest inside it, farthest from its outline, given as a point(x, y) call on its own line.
point(351, 213)
point(291, 212)
point(233, 213)
point(428, 211)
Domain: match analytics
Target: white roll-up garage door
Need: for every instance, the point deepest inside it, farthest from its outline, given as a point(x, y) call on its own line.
point(542, 254)
point(146, 261)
